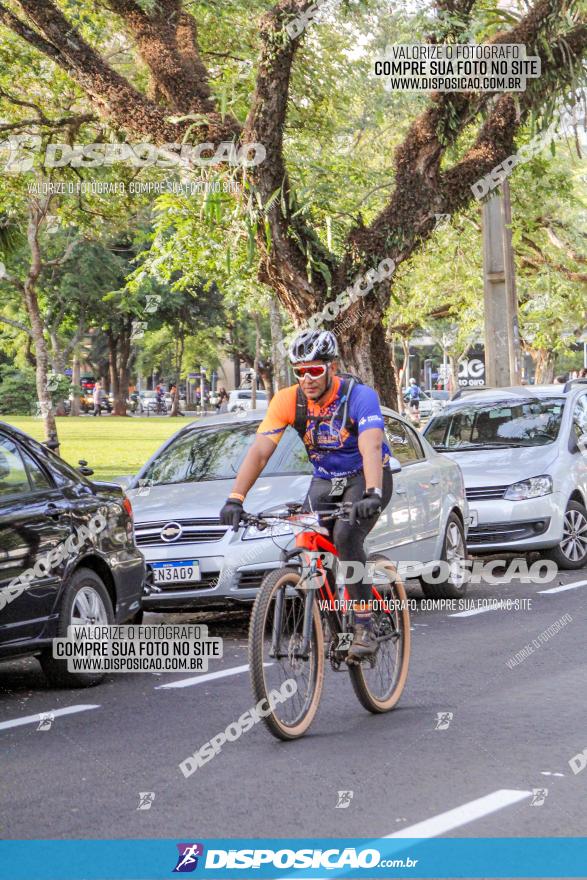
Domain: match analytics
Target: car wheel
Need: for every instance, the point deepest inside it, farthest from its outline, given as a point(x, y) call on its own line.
point(85, 601)
point(571, 553)
point(454, 553)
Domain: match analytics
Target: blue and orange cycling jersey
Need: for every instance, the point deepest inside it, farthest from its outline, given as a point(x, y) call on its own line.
point(333, 448)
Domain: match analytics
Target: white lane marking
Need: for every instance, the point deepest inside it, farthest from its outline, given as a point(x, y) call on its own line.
point(503, 797)
point(473, 611)
point(32, 719)
point(565, 587)
point(444, 822)
point(200, 679)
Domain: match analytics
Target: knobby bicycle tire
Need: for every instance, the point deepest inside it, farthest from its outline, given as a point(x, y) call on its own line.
point(358, 673)
point(271, 583)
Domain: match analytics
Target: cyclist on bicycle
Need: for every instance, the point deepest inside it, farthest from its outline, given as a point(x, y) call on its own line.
point(340, 422)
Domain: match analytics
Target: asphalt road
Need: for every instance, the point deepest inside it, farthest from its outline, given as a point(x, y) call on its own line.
point(512, 731)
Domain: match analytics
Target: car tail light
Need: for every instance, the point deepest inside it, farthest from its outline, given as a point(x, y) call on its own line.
point(127, 506)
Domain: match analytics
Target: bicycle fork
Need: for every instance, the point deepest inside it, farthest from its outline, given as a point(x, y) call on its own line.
point(310, 580)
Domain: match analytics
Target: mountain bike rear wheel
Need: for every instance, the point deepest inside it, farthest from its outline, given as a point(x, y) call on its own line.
point(275, 655)
point(379, 686)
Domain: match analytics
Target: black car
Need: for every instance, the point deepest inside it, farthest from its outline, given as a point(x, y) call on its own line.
point(67, 554)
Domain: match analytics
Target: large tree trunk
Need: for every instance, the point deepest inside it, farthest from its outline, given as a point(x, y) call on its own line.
point(36, 214)
point(123, 373)
point(452, 384)
point(57, 352)
point(179, 350)
point(543, 360)
point(405, 371)
point(118, 364)
point(42, 362)
point(257, 321)
point(75, 382)
point(266, 376)
point(123, 383)
point(280, 379)
point(368, 355)
point(236, 361)
point(113, 367)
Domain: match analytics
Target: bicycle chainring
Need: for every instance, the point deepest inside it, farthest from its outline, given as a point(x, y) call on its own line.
point(334, 656)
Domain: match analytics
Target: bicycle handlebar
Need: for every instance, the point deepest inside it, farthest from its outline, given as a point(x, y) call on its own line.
point(262, 520)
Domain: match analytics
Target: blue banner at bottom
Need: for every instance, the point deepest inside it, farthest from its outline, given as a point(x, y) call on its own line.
point(302, 858)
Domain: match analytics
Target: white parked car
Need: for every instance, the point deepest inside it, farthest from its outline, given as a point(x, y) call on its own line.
point(523, 454)
point(148, 401)
point(429, 405)
point(240, 400)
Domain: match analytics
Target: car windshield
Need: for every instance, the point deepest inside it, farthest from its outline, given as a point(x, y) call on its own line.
point(214, 452)
point(527, 422)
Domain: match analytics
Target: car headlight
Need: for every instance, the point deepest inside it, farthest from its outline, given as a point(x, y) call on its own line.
point(532, 488)
point(275, 530)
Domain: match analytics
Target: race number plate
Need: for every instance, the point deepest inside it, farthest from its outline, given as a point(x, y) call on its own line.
point(183, 572)
point(473, 519)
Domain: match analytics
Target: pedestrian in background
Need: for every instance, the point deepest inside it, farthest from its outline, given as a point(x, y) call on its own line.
point(413, 398)
point(175, 410)
point(96, 397)
point(222, 399)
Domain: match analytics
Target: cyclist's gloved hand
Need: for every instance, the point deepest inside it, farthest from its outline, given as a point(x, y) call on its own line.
point(368, 507)
point(231, 513)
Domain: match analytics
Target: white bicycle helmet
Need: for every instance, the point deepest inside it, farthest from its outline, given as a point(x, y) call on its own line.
point(313, 345)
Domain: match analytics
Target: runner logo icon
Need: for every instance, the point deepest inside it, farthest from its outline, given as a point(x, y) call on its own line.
point(188, 857)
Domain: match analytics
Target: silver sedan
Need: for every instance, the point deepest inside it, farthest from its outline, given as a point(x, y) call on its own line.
point(194, 561)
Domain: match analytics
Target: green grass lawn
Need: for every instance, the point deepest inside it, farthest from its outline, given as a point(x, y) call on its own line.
point(113, 447)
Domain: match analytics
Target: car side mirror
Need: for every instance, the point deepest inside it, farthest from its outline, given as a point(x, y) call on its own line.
point(83, 468)
point(52, 443)
point(394, 465)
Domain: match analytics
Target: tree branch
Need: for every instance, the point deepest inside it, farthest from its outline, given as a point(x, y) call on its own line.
point(285, 265)
point(75, 119)
point(112, 92)
point(564, 246)
point(16, 324)
point(78, 334)
point(539, 260)
point(421, 190)
point(166, 40)
point(58, 261)
point(12, 279)
point(31, 36)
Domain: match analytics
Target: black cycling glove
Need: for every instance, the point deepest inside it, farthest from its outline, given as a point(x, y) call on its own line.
point(368, 507)
point(231, 513)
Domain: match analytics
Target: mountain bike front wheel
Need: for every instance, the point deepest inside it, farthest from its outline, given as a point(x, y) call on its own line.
point(279, 654)
point(379, 684)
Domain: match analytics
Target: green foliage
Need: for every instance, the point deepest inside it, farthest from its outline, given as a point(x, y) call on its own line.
point(18, 391)
point(59, 386)
point(341, 134)
point(448, 274)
